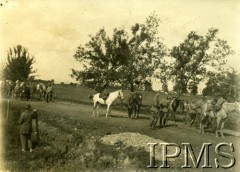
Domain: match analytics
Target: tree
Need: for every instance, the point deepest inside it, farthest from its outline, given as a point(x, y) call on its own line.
point(101, 58)
point(18, 65)
point(163, 73)
point(120, 59)
point(225, 84)
point(195, 56)
point(146, 51)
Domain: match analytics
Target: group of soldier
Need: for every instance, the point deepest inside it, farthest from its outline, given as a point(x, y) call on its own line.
point(161, 110)
point(27, 90)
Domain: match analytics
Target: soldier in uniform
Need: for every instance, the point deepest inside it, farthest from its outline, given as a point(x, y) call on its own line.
point(164, 109)
point(49, 93)
point(101, 89)
point(217, 103)
point(25, 122)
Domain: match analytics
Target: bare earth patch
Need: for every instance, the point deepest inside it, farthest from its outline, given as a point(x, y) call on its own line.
point(136, 140)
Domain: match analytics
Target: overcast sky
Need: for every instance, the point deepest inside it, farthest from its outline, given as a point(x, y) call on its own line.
point(53, 29)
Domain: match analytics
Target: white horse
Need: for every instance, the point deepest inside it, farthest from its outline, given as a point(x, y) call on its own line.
point(41, 90)
point(203, 110)
point(222, 115)
point(111, 98)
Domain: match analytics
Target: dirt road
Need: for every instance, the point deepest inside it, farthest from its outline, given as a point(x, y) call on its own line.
point(74, 133)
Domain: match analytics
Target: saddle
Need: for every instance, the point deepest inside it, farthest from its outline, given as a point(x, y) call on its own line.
point(104, 95)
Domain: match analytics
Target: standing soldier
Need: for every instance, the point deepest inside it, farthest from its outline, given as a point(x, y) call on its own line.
point(164, 110)
point(155, 111)
point(49, 92)
point(26, 128)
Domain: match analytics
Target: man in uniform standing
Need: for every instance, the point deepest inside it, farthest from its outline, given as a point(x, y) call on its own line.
point(26, 128)
point(49, 92)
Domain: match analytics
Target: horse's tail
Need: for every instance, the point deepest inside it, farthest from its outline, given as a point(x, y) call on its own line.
point(90, 96)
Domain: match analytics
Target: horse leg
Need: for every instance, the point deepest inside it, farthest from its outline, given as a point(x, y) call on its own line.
point(160, 118)
point(155, 122)
point(173, 117)
point(108, 111)
point(221, 129)
point(200, 128)
point(152, 121)
point(135, 112)
point(164, 119)
point(217, 126)
point(132, 113)
point(170, 116)
point(94, 109)
point(138, 110)
point(97, 106)
point(202, 125)
point(129, 112)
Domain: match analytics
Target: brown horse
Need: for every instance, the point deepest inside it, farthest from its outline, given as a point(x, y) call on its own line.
point(134, 104)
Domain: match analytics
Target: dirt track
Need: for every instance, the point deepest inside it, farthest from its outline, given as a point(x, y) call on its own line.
point(72, 131)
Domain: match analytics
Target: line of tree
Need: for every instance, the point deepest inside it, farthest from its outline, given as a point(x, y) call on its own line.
point(131, 59)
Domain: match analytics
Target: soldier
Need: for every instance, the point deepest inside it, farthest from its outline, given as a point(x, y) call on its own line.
point(155, 116)
point(101, 89)
point(217, 103)
point(164, 109)
point(26, 128)
point(155, 110)
point(49, 93)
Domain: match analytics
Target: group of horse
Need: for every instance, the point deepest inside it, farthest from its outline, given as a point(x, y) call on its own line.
point(27, 90)
point(164, 109)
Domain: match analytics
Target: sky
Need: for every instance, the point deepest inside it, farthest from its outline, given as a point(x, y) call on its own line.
point(52, 30)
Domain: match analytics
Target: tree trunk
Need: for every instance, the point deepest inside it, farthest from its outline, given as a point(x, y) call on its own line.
point(132, 87)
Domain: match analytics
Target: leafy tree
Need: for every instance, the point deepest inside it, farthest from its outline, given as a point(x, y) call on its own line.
point(120, 59)
point(101, 58)
point(193, 87)
point(146, 51)
point(163, 73)
point(195, 55)
point(18, 65)
point(225, 84)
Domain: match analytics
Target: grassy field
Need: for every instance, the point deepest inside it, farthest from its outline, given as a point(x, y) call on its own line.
point(80, 94)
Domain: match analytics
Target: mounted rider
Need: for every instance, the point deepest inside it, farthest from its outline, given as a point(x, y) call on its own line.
point(49, 92)
point(101, 89)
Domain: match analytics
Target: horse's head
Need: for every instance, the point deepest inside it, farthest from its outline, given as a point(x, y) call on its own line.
point(120, 94)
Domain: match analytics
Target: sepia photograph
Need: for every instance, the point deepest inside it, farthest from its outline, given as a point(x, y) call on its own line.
point(119, 85)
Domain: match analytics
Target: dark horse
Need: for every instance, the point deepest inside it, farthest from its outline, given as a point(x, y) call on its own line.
point(134, 104)
point(174, 104)
point(25, 93)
